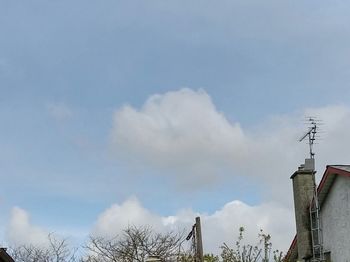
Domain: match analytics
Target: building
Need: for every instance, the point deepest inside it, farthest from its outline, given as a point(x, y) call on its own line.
point(334, 214)
point(4, 257)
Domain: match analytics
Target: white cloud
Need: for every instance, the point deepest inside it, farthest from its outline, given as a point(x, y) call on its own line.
point(218, 227)
point(20, 231)
point(181, 130)
point(118, 217)
point(183, 133)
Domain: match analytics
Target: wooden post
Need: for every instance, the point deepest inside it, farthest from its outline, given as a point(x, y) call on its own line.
point(199, 244)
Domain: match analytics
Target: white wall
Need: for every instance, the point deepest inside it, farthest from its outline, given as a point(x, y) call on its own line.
point(335, 217)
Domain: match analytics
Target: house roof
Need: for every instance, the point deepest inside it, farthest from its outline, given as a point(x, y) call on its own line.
point(4, 257)
point(328, 178)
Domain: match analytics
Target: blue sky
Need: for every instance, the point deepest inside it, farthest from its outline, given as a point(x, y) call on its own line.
point(78, 81)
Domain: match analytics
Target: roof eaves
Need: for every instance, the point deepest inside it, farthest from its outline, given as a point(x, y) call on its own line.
point(4, 256)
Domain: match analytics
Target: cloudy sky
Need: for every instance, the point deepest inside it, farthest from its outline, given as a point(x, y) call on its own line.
point(130, 112)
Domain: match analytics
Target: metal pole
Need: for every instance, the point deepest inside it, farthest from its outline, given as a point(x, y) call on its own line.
point(199, 244)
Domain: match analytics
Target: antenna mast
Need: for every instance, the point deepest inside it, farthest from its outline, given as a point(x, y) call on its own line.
point(311, 135)
point(315, 221)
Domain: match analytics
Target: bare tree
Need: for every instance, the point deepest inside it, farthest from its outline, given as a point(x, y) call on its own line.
point(134, 244)
point(250, 253)
point(57, 250)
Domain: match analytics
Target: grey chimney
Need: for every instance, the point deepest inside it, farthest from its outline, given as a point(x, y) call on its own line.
point(303, 190)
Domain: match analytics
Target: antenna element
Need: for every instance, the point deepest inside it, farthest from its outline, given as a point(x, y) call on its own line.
point(311, 135)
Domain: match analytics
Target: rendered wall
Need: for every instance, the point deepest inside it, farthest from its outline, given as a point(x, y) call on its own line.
point(303, 188)
point(335, 217)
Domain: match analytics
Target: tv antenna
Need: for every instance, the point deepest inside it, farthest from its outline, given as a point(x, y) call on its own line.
point(311, 135)
point(314, 209)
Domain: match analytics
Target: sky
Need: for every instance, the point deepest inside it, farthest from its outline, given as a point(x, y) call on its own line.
point(153, 112)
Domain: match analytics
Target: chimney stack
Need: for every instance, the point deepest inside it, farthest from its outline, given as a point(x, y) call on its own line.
point(303, 190)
